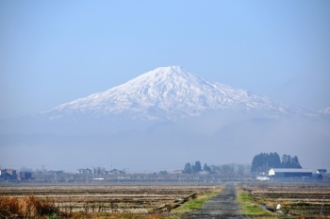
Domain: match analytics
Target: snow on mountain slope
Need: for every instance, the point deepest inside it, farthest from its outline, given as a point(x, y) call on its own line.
point(168, 93)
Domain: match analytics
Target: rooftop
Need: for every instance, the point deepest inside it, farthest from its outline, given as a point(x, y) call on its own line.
point(290, 170)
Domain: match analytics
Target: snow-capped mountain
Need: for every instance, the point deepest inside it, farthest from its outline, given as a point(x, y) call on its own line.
point(139, 122)
point(167, 93)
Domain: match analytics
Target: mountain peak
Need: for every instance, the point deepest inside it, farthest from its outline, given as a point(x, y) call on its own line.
point(163, 74)
point(167, 93)
point(170, 69)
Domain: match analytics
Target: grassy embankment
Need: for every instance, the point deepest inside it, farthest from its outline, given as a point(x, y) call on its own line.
point(250, 205)
point(197, 203)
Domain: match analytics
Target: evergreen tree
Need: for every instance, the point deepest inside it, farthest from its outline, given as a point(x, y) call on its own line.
point(207, 168)
point(295, 162)
point(187, 168)
point(264, 161)
point(198, 167)
point(290, 162)
point(274, 160)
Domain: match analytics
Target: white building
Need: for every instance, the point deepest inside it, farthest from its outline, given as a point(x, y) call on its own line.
point(290, 172)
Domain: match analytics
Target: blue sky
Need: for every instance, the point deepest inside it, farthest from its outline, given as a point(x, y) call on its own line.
point(53, 52)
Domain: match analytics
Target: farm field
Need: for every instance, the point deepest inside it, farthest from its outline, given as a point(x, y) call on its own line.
point(95, 199)
point(297, 199)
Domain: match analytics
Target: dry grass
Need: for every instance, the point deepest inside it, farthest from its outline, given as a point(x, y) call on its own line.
point(95, 201)
point(33, 207)
point(137, 199)
point(120, 216)
point(26, 207)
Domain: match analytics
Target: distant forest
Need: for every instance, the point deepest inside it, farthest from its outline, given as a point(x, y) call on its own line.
point(264, 161)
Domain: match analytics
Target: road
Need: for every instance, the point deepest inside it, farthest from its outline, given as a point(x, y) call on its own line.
point(219, 207)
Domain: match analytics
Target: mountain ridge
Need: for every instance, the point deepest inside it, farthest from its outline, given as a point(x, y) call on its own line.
point(168, 93)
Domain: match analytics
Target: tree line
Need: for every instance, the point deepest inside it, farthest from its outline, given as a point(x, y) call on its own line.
point(193, 168)
point(263, 162)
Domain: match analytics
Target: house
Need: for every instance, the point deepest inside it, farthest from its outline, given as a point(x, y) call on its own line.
point(178, 171)
point(8, 174)
point(204, 172)
point(84, 171)
point(321, 171)
point(25, 175)
point(116, 172)
point(289, 172)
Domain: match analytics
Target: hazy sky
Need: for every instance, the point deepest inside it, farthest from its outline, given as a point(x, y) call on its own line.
point(53, 52)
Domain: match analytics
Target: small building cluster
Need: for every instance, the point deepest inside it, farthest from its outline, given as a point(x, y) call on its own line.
point(100, 171)
point(11, 174)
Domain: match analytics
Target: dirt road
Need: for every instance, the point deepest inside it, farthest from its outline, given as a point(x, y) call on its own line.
point(221, 206)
